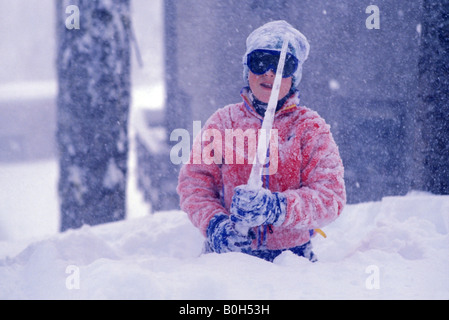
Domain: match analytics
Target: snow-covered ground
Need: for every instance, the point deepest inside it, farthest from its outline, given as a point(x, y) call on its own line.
point(397, 248)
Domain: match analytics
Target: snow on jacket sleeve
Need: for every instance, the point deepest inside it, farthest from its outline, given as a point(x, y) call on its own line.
point(200, 184)
point(321, 196)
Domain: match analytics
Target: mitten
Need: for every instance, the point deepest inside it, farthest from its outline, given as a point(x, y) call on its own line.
point(223, 237)
point(252, 208)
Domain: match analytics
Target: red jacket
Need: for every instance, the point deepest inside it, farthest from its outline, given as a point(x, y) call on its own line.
point(308, 170)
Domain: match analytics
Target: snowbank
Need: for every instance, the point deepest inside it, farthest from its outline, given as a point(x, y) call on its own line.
point(394, 249)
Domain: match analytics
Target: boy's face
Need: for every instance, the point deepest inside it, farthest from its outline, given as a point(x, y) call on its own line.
point(262, 84)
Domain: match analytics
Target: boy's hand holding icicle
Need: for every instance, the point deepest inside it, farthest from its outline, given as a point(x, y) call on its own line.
point(252, 208)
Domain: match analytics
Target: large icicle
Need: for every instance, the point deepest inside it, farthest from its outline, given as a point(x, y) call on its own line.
point(255, 178)
point(255, 181)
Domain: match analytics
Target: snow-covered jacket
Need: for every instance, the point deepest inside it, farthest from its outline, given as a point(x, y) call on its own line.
point(308, 171)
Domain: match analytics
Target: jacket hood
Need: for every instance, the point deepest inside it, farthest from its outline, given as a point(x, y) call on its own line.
point(271, 36)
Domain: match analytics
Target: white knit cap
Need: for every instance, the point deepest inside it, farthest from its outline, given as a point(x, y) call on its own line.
point(270, 36)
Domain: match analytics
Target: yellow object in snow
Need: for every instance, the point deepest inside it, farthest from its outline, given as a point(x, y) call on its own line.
point(321, 232)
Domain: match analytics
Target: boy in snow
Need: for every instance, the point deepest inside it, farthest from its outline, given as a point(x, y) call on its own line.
point(303, 192)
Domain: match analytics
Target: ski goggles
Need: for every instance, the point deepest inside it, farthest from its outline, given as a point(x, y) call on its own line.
point(260, 61)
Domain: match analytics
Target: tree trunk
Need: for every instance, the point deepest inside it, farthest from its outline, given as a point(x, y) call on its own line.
point(93, 66)
point(434, 83)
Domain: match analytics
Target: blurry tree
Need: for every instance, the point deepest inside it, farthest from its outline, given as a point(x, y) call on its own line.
point(93, 65)
point(434, 94)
